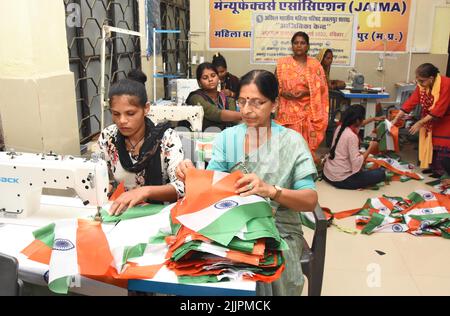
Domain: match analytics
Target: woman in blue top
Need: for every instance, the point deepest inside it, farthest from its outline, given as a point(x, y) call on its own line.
point(277, 165)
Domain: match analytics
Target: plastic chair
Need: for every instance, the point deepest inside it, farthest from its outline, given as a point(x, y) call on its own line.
point(10, 284)
point(313, 258)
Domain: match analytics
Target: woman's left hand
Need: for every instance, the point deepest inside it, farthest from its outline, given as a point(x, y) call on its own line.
point(415, 128)
point(127, 200)
point(251, 184)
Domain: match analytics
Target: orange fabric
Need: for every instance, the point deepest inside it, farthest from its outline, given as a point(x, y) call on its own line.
point(344, 214)
point(38, 251)
point(238, 256)
point(201, 193)
point(259, 247)
point(266, 278)
point(120, 189)
point(384, 164)
point(308, 116)
point(94, 255)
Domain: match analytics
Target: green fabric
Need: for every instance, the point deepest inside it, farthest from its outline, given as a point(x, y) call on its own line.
point(159, 238)
point(375, 221)
point(60, 286)
point(134, 212)
point(133, 252)
point(199, 279)
point(238, 217)
point(46, 234)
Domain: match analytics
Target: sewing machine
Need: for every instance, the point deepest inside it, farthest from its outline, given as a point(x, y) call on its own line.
point(24, 175)
point(192, 114)
point(356, 79)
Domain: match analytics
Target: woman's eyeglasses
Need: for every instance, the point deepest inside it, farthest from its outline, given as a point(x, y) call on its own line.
point(255, 102)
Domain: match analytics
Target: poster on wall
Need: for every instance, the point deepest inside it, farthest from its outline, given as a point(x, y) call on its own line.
point(272, 33)
point(382, 25)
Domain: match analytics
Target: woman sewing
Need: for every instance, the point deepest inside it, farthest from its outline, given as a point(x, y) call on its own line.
point(219, 110)
point(141, 155)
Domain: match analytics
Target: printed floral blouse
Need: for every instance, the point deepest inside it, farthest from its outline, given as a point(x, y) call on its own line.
point(171, 155)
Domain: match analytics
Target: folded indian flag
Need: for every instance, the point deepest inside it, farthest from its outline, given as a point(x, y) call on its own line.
point(396, 166)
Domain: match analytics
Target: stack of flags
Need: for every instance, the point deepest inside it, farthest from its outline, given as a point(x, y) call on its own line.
point(211, 235)
point(421, 213)
point(218, 235)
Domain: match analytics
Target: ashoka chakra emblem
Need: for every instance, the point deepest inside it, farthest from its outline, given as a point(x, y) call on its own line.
point(226, 204)
point(63, 245)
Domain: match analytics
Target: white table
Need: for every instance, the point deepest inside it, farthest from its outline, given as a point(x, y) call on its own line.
point(16, 234)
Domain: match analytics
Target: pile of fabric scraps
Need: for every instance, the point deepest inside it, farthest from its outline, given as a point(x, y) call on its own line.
point(221, 236)
point(421, 213)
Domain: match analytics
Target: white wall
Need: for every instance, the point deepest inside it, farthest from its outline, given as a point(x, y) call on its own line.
point(37, 90)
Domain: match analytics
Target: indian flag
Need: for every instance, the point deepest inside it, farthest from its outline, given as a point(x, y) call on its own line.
point(397, 167)
point(71, 248)
point(107, 253)
point(384, 224)
point(379, 205)
point(212, 208)
point(388, 135)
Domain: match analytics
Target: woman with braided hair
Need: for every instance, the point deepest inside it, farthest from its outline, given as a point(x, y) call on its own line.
point(343, 166)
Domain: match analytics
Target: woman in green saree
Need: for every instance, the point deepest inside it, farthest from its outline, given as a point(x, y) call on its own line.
point(277, 165)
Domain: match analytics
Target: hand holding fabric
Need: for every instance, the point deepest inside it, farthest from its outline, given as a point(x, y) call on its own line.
point(182, 169)
point(128, 200)
point(251, 184)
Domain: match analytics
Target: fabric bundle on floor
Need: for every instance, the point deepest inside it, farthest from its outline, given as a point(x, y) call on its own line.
point(421, 213)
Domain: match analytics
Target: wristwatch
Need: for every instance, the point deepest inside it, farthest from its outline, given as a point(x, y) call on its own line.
point(278, 193)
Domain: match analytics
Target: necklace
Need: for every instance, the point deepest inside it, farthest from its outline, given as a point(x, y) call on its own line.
point(133, 146)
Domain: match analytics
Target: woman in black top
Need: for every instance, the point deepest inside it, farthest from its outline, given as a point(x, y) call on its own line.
point(229, 83)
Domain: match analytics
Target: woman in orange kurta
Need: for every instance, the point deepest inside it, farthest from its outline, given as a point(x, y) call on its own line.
point(303, 93)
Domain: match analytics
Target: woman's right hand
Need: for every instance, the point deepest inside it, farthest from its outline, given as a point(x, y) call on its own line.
point(182, 169)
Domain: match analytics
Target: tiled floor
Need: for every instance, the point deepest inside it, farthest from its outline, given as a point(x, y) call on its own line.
point(410, 266)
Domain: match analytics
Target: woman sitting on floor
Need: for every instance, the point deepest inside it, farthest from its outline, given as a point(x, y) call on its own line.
point(343, 166)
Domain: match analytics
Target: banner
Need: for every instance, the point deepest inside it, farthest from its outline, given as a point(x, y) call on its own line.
point(382, 24)
point(272, 33)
